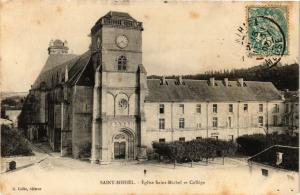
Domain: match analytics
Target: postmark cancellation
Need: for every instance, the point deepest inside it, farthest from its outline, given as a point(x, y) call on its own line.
point(267, 32)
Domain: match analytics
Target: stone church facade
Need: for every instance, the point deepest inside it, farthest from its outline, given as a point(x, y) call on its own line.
point(101, 105)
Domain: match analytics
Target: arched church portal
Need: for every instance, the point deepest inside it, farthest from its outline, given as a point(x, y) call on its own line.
point(123, 145)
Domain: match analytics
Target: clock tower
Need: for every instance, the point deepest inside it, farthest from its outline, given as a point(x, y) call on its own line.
point(119, 90)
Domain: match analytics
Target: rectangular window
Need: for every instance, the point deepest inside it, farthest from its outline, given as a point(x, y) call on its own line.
point(261, 121)
point(229, 122)
point(245, 107)
point(286, 107)
point(264, 172)
point(286, 120)
point(182, 139)
point(162, 140)
point(198, 108)
point(161, 108)
point(181, 123)
point(198, 138)
point(181, 107)
point(276, 108)
point(161, 123)
point(275, 120)
point(215, 108)
point(230, 107)
point(260, 108)
point(198, 125)
point(215, 122)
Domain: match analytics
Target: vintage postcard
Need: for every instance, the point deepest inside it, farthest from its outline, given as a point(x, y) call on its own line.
point(140, 97)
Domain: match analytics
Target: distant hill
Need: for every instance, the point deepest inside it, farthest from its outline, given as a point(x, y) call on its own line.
point(6, 94)
point(282, 76)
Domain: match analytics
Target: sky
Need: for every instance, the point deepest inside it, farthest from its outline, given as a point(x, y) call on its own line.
point(178, 38)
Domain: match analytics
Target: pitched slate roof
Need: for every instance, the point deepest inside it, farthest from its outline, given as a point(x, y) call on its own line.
point(291, 96)
point(200, 91)
point(57, 59)
point(54, 69)
point(76, 69)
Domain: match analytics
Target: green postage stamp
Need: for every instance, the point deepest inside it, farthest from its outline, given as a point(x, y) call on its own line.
point(267, 31)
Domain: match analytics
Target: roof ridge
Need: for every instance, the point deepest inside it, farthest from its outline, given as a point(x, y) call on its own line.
point(199, 90)
point(189, 79)
point(80, 73)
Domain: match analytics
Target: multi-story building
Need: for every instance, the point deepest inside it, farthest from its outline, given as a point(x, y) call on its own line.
point(291, 111)
point(197, 109)
point(101, 105)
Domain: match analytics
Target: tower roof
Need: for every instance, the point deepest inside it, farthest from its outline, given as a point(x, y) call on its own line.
point(58, 47)
point(118, 16)
point(117, 19)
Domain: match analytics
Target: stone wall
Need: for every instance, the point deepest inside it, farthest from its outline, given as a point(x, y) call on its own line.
point(82, 120)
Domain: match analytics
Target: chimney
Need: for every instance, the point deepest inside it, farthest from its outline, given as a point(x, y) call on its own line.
point(180, 81)
point(241, 82)
point(212, 81)
point(226, 82)
point(163, 80)
point(279, 158)
point(282, 97)
point(51, 43)
point(66, 43)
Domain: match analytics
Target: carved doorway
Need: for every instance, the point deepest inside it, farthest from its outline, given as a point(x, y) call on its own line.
point(119, 150)
point(123, 145)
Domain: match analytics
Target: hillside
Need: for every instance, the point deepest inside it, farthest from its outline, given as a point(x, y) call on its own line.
point(6, 94)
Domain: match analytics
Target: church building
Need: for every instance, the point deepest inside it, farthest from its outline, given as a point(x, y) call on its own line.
point(101, 105)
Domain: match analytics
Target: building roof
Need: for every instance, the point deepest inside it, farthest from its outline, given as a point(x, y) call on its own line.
point(268, 157)
point(118, 15)
point(291, 96)
point(120, 19)
point(191, 90)
point(57, 59)
point(76, 69)
point(55, 67)
point(200, 91)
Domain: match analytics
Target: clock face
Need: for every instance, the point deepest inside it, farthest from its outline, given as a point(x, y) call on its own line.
point(122, 41)
point(123, 104)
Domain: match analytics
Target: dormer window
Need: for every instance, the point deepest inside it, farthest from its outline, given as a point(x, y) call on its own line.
point(122, 63)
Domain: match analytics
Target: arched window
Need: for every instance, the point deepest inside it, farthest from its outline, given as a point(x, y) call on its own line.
point(122, 62)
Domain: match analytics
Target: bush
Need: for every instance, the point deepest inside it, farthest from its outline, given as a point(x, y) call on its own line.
point(12, 165)
point(253, 144)
point(151, 154)
point(13, 142)
point(194, 150)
